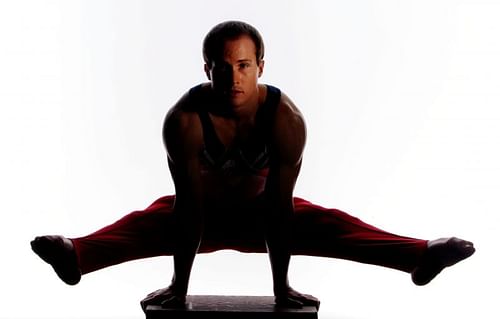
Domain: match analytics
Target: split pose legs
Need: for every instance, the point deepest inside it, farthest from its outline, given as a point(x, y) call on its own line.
point(317, 231)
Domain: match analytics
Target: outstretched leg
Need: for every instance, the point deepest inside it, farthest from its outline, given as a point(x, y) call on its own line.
point(140, 234)
point(319, 231)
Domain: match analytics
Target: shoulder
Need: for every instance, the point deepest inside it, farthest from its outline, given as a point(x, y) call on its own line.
point(190, 101)
point(182, 114)
point(289, 129)
point(185, 110)
point(182, 128)
point(288, 118)
point(287, 110)
point(285, 107)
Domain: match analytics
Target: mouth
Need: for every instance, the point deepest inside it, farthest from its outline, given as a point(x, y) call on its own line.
point(234, 91)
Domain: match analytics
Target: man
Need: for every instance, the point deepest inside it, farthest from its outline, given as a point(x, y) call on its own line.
point(234, 150)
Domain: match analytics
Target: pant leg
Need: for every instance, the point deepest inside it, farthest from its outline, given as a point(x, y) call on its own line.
point(140, 234)
point(318, 231)
point(150, 233)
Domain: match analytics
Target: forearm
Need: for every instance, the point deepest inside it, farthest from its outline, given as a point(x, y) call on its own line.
point(280, 260)
point(189, 232)
point(278, 236)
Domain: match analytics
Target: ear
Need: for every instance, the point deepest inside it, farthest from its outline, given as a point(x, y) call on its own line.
point(207, 72)
point(261, 67)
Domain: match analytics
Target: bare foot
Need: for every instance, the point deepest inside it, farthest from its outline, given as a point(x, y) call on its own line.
point(294, 299)
point(59, 252)
point(441, 253)
point(165, 297)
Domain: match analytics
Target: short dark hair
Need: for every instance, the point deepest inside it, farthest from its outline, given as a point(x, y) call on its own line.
point(213, 44)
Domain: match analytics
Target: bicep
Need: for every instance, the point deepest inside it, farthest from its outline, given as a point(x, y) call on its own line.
point(289, 135)
point(182, 138)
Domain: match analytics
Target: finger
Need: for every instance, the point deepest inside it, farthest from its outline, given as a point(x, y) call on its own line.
point(143, 305)
point(152, 300)
point(154, 293)
point(295, 303)
point(289, 302)
point(311, 302)
point(146, 302)
point(173, 301)
point(307, 300)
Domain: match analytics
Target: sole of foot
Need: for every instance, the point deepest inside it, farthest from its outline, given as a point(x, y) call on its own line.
point(59, 252)
point(441, 253)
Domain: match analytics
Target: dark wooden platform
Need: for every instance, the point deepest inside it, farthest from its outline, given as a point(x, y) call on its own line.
point(230, 307)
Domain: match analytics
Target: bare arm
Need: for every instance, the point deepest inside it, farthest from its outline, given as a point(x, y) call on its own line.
point(289, 135)
point(182, 136)
point(183, 139)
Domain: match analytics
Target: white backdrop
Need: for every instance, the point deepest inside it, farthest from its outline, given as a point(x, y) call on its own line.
point(401, 100)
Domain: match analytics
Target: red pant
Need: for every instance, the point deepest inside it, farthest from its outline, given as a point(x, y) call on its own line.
point(317, 231)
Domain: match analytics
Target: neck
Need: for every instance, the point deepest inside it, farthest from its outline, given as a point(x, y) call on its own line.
point(240, 113)
point(246, 112)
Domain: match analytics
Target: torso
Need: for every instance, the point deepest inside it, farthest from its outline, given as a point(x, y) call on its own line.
point(235, 156)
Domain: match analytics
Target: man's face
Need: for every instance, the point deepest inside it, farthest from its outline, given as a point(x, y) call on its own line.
point(234, 76)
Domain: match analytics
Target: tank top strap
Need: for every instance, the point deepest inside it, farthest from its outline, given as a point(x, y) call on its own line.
point(211, 140)
point(267, 112)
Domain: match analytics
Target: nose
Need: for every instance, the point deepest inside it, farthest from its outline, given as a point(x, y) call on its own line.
point(235, 76)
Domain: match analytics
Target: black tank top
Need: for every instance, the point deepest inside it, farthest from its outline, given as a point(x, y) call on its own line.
point(242, 159)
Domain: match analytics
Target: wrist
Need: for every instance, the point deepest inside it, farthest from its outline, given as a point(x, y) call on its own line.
point(281, 288)
point(179, 285)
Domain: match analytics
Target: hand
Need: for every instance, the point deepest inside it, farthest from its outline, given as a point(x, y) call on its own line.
point(165, 297)
point(294, 299)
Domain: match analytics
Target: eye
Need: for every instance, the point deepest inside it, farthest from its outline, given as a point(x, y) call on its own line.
point(244, 65)
point(221, 67)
